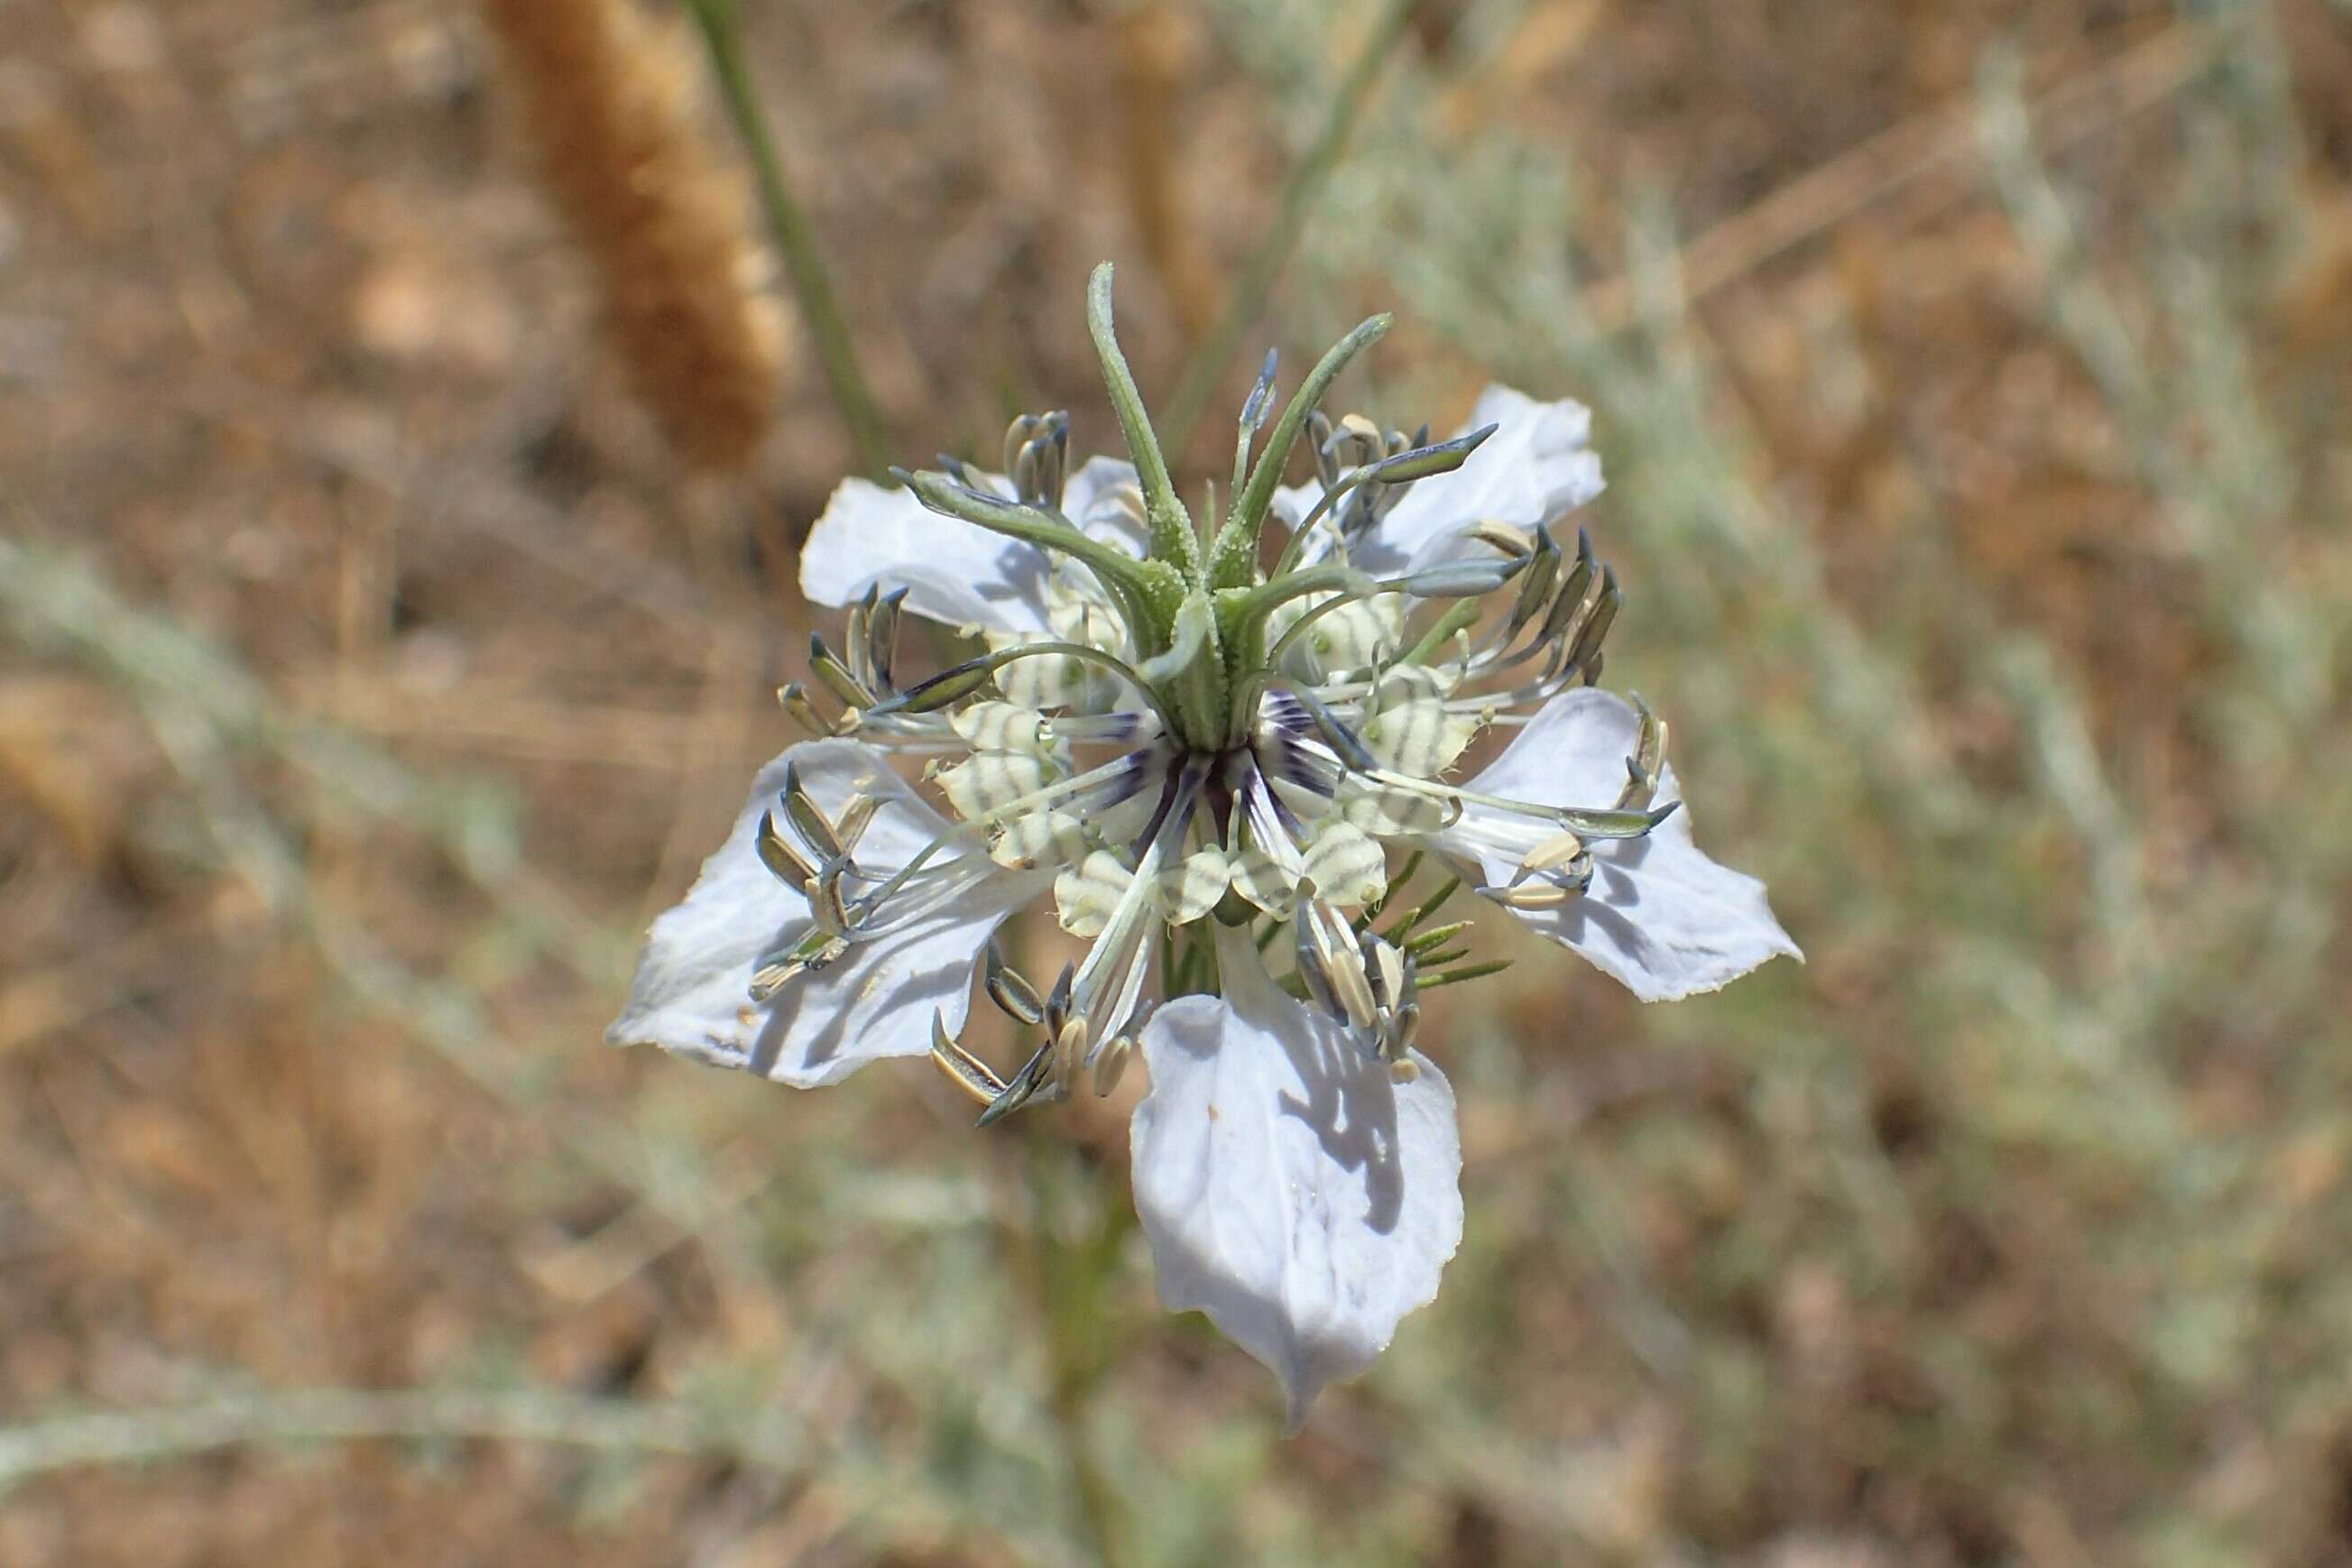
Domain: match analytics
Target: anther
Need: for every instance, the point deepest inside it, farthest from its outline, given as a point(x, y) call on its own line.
point(963, 1069)
point(780, 856)
point(1034, 1075)
point(1111, 1063)
point(1069, 1050)
point(1013, 995)
point(1534, 896)
point(1585, 654)
point(1648, 756)
point(882, 638)
point(828, 905)
point(1548, 856)
point(1535, 587)
point(837, 676)
point(856, 816)
point(808, 819)
point(1502, 536)
point(794, 698)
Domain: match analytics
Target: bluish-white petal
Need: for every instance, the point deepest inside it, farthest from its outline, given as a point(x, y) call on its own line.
point(1288, 1187)
point(1090, 499)
point(692, 991)
point(953, 572)
point(1538, 466)
point(1660, 916)
point(878, 998)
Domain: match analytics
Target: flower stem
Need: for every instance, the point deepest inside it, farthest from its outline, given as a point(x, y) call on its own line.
point(1209, 359)
point(720, 23)
point(1075, 1239)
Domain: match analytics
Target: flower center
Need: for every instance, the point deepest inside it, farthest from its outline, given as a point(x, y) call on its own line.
point(1174, 731)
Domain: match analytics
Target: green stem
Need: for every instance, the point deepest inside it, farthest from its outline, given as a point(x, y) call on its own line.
point(1075, 1270)
point(722, 35)
point(770, 1441)
point(1265, 263)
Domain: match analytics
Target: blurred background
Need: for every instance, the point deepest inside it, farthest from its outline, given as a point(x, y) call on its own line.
point(407, 425)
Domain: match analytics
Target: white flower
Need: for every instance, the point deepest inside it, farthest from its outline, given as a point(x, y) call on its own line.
point(1190, 754)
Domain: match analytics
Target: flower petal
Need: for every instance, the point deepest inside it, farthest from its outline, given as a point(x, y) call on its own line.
point(1536, 466)
point(692, 991)
point(953, 572)
point(1288, 1187)
point(877, 999)
point(1090, 498)
point(1660, 916)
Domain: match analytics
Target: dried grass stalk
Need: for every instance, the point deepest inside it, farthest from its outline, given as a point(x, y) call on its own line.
point(608, 98)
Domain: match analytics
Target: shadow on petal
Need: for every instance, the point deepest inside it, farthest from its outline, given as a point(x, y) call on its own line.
point(1350, 1104)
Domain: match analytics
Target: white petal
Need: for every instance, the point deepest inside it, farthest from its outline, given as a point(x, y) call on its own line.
point(878, 999)
point(954, 572)
point(695, 974)
point(691, 994)
point(1537, 466)
point(1089, 498)
point(1660, 916)
point(1288, 1187)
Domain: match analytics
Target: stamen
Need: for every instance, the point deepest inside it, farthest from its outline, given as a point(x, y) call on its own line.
point(882, 637)
point(828, 906)
point(954, 685)
point(1109, 1063)
point(1585, 654)
point(1548, 856)
point(1113, 783)
point(1648, 756)
point(1013, 995)
point(812, 953)
point(1326, 944)
point(791, 867)
point(1591, 823)
point(1535, 895)
point(794, 698)
point(836, 675)
point(1113, 965)
point(808, 819)
point(1033, 1074)
point(963, 1069)
point(1536, 586)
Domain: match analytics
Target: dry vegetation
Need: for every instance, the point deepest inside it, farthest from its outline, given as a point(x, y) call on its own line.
point(1973, 379)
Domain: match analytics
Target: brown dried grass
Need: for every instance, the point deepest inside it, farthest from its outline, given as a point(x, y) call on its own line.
point(607, 98)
